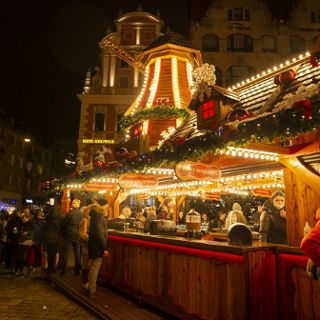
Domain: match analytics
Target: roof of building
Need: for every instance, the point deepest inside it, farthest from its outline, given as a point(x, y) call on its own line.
point(170, 37)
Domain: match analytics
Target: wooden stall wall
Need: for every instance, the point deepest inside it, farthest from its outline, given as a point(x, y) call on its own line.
point(301, 204)
point(185, 286)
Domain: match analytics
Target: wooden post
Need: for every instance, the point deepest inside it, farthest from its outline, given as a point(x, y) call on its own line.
point(65, 201)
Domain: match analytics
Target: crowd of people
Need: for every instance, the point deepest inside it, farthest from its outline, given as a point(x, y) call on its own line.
point(44, 239)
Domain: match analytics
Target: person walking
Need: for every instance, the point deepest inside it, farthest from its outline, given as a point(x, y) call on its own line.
point(235, 216)
point(97, 244)
point(52, 235)
point(71, 237)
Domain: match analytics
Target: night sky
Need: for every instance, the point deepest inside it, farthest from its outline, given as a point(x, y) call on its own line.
point(47, 47)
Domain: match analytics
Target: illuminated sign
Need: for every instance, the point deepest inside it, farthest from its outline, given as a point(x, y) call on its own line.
point(135, 181)
point(189, 170)
point(98, 186)
point(211, 196)
point(262, 192)
point(97, 141)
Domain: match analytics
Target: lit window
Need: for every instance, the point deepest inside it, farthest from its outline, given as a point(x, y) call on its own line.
point(208, 109)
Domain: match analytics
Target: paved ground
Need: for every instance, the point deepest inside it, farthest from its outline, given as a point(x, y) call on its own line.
point(34, 298)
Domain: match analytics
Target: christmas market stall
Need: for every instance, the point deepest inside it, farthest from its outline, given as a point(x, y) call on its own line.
point(226, 148)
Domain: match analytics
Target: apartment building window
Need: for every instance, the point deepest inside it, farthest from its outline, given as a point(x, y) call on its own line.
point(315, 16)
point(15, 180)
point(99, 121)
point(20, 163)
point(11, 139)
point(268, 44)
point(210, 43)
point(297, 44)
point(239, 43)
point(238, 14)
point(6, 178)
point(40, 169)
point(124, 82)
point(11, 159)
point(236, 74)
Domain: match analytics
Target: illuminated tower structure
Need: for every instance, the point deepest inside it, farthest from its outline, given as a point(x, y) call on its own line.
point(169, 62)
point(111, 89)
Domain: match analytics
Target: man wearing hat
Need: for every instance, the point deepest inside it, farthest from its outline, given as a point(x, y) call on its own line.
point(71, 237)
point(273, 220)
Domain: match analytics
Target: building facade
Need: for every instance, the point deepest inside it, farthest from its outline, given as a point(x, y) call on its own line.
point(241, 40)
point(114, 86)
point(24, 165)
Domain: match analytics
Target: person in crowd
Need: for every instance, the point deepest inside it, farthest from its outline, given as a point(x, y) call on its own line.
point(151, 215)
point(273, 219)
point(39, 217)
point(97, 243)
point(13, 230)
point(3, 237)
point(52, 235)
point(25, 243)
point(219, 221)
point(71, 237)
point(181, 218)
point(125, 213)
point(256, 217)
point(165, 211)
point(84, 238)
point(235, 216)
point(310, 244)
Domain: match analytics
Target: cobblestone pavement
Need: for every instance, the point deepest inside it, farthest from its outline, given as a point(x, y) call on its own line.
point(34, 298)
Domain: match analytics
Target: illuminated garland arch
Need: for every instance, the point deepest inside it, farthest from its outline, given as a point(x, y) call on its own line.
point(157, 112)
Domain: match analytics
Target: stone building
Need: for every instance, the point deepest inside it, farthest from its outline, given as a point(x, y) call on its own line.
point(241, 40)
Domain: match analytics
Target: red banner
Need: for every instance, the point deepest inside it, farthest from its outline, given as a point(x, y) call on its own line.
point(136, 181)
point(143, 196)
point(97, 186)
point(189, 170)
point(267, 193)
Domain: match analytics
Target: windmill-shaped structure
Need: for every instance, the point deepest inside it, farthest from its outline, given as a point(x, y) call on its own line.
point(165, 94)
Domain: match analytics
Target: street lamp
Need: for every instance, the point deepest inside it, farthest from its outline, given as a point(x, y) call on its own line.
point(27, 140)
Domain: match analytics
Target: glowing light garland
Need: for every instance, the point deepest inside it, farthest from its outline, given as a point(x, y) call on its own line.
point(175, 82)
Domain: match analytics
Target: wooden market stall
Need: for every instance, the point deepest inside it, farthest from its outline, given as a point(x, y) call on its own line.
point(258, 136)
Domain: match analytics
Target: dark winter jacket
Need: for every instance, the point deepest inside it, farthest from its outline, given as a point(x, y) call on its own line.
point(70, 225)
point(28, 232)
point(98, 232)
point(52, 232)
point(273, 227)
point(13, 228)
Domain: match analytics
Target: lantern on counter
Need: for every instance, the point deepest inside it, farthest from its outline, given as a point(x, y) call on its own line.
point(193, 224)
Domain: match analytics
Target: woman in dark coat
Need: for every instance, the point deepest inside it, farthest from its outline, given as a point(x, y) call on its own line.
point(52, 235)
point(97, 243)
point(273, 222)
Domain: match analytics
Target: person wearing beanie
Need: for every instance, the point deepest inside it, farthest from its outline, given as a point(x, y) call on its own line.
point(235, 216)
point(71, 237)
point(97, 243)
point(273, 220)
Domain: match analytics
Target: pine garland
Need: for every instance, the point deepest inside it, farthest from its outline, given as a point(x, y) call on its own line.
point(157, 112)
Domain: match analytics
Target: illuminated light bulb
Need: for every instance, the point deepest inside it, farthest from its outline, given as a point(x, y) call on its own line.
point(255, 176)
point(258, 75)
point(281, 65)
point(246, 154)
point(275, 68)
point(251, 155)
point(276, 158)
point(233, 153)
point(294, 59)
point(238, 85)
point(227, 152)
point(242, 82)
point(262, 156)
point(272, 158)
point(308, 54)
point(267, 157)
point(287, 62)
point(256, 156)
point(263, 73)
point(221, 151)
point(300, 56)
point(240, 154)
point(269, 70)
